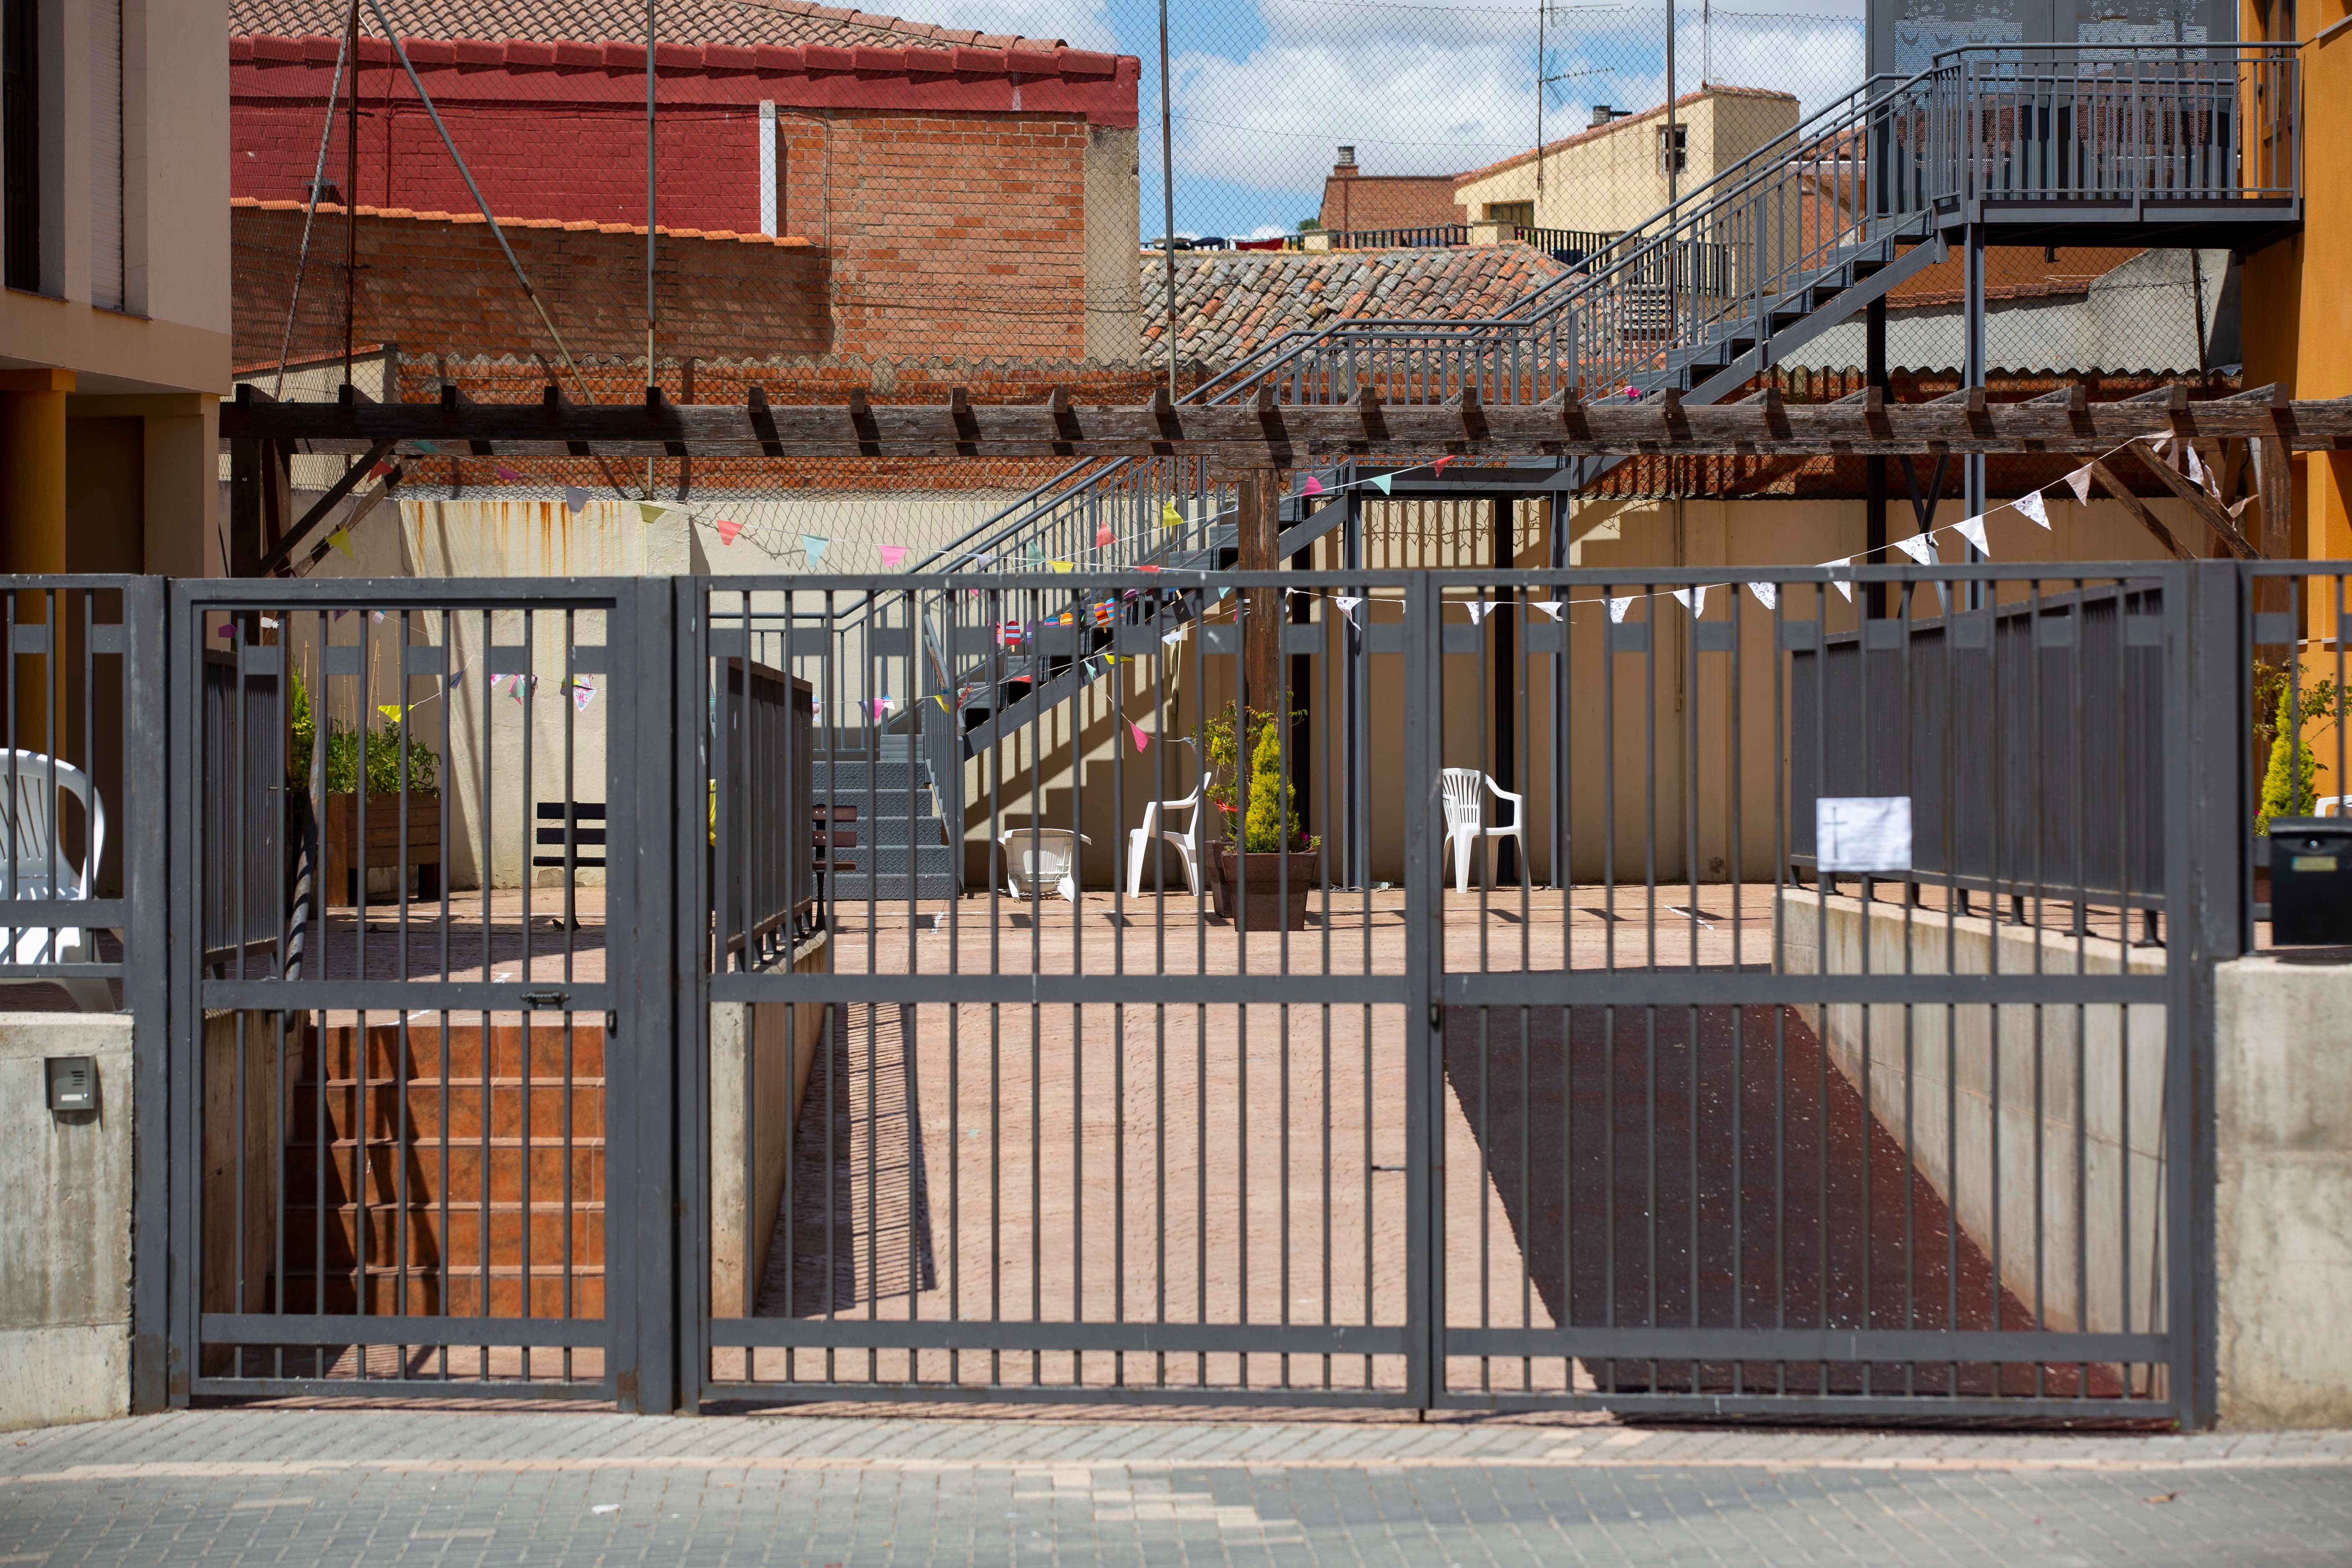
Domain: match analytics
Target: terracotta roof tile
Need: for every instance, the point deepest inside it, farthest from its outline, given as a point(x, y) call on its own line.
point(739, 23)
point(1230, 302)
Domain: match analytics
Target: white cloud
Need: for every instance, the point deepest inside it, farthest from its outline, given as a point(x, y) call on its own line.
point(1082, 24)
point(1443, 88)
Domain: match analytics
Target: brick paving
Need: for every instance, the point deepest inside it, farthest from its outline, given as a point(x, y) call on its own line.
point(465, 1487)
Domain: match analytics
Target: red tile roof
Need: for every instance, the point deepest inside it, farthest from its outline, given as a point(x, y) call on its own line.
point(743, 24)
point(1230, 302)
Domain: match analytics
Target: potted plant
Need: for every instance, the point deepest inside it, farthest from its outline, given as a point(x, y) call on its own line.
point(2291, 771)
point(379, 756)
point(1264, 866)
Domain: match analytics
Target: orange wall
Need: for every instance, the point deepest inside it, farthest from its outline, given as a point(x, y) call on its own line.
point(2298, 317)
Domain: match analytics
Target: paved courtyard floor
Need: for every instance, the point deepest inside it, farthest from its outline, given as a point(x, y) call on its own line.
point(837, 1487)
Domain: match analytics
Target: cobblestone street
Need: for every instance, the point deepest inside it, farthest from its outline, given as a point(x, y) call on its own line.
point(835, 1487)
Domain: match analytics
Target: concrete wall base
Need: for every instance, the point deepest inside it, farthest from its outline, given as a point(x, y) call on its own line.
point(2283, 1220)
point(65, 1225)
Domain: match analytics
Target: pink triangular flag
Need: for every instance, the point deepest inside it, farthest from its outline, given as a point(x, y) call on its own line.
point(728, 528)
point(1103, 536)
point(504, 472)
point(1311, 486)
point(1439, 466)
point(892, 555)
point(1142, 741)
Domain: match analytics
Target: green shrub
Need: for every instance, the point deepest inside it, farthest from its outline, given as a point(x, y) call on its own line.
point(1271, 800)
point(2287, 783)
point(386, 748)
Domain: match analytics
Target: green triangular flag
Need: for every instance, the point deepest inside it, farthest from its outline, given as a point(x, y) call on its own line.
point(342, 540)
point(651, 511)
point(1382, 480)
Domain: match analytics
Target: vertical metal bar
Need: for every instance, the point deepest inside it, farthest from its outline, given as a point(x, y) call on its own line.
point(1425, 1019)
point(151, 737)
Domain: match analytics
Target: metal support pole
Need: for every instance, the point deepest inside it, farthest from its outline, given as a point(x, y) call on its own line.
point(1505, 686)
point(1357, 690)
point(1167, 203)
point(1972, 310)
point(1874, 469)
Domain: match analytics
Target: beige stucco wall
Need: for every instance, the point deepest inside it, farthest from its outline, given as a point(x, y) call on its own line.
point(1614, 181)
point(762, 1051)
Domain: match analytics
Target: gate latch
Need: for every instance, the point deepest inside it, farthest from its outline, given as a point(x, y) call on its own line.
point(535, 999)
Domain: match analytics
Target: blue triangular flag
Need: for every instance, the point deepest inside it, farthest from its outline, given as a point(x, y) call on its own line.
point(815, 546)
point(1382, 480)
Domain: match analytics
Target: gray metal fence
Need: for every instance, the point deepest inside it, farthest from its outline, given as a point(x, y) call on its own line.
point(1506, 1066)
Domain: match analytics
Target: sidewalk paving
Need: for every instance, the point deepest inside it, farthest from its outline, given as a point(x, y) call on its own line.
point(838, 1487)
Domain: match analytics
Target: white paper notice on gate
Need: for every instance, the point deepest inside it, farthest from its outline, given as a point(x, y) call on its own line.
point(1863, 833)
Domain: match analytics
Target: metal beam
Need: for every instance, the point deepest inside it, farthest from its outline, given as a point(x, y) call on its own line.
point(1275, 437)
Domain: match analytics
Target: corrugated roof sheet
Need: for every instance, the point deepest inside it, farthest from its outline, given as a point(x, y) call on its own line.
point(1229, 302)
point(741, 23)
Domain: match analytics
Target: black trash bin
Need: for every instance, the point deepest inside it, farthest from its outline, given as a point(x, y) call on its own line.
point(2311, 879)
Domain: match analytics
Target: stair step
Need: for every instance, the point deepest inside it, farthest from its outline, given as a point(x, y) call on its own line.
point(423, 1294)
point(428, 1245)
point(429, 1101)
point(389, 1163)
point(425, 1047)
point(889, 888)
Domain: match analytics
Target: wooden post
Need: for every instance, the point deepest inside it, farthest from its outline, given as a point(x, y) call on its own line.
point(1257, 534)
point(2274, 493)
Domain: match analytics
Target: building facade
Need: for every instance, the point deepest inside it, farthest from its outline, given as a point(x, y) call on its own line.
point(114, 321)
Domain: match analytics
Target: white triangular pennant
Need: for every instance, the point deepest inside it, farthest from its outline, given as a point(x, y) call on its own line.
point(1845, 584)
point(1693, 599)
point(2079, 482)
point(1617, 607)
point(2158, 443)
point(1767, 593)
point(1920, 547)
point(2030, 503)
point(1480, 609)
point(1972, 528)
point(1552, 608)
point(1348, 602)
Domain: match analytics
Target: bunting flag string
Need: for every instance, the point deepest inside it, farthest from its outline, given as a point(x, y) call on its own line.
point(2079, 482)
point(2031, 505)
point(1480, 609)
point(1382, 482)
point(892, 556)
point(813, 546)
point(1693, 599)
point(1103, 536)
point(1348, 604)
point(728, 528)
point(1920, 547)
point(342, 540)
point(1552, 608)
point(1618, 607)
point(1142, 741)
point(1972, 528)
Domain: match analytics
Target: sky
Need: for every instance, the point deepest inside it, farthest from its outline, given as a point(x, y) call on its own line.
point(1263, 91)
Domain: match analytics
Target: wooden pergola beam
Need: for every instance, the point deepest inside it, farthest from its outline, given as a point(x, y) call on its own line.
point(1251, 434)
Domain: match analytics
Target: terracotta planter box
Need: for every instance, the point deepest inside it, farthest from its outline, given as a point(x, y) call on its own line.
point(1267, 909)
point(342, 856)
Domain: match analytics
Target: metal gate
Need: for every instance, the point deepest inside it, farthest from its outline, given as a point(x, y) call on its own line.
point(408, 1042)
point(988, 1098)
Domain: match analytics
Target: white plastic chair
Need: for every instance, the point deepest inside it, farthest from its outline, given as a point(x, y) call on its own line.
point(1187, 839)
point(1465, 819)
point(25, 870)
point(1038, 860)
point(2329, 805)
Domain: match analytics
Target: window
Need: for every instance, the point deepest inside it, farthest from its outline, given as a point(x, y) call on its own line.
point(20, 145)
point(1674, 149)
point(1520, 212)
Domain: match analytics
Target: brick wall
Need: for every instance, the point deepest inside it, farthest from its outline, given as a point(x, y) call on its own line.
point(436, 284)
point(945, 234)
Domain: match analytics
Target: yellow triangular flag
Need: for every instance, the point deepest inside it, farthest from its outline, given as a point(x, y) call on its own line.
point(1059, 565)
point(941, 700)
point(342, 540)
point(1169, 516)
point(651, 511)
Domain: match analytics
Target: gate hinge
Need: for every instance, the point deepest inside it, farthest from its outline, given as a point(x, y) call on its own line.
point(1437, 1015)
point(612, 1022)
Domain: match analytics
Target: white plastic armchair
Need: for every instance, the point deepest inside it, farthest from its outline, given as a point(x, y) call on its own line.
point(33, 866)
point(1465, 819)
point(1187, 839)
point(1038, 860)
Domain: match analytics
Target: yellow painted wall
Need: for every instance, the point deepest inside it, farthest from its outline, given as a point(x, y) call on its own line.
point(2297, 301)
point(1612, 181)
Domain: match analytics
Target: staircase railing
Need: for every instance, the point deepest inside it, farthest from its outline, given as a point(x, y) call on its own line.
point(1853, 183)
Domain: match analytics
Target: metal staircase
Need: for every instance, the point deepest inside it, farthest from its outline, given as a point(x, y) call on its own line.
point(901, 827)
point(2036, 145)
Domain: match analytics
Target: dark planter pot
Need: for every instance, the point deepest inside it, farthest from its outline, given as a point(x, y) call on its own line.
point(1262, 877)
